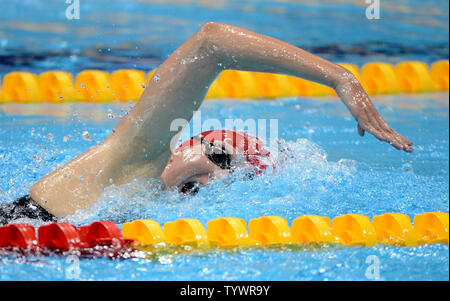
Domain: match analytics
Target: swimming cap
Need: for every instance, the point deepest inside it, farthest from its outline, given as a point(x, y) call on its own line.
point(251, 147)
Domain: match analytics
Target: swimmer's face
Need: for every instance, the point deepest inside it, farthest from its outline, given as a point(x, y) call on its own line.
point(193, 167)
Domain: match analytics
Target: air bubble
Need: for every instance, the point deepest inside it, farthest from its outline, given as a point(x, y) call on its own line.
point(85, 135)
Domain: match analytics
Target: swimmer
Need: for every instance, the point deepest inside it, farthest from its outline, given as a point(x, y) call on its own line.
point(140, 145)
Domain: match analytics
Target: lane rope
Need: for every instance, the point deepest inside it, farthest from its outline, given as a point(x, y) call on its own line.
point(128, 84)
point(347, 230)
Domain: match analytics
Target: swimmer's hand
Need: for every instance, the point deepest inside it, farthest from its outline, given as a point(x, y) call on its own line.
point(368, 118)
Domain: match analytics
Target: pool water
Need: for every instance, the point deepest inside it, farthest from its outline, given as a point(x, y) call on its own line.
point(325, 169)
point(36, 36)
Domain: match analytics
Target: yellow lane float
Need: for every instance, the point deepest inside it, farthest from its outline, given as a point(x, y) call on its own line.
point(56, 86)
point(311, 228)
point(379, 78)
point(432, 227)
point(413, 77)
point(186, 231)
point(21, 87)
point(128, 84)
point(395, 229)
point(354, 229)
point(439, 74)
point(93, 86)
point(227, 231)
point(347, 230)
point(268, 230)
point(144, 231)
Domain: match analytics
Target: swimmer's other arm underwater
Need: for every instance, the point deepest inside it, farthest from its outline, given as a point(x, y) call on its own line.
point(139, 147)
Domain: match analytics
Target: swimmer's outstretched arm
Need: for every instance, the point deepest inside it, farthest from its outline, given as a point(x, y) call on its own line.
point(140, 144)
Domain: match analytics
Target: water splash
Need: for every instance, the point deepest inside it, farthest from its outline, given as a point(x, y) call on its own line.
point(234, 196)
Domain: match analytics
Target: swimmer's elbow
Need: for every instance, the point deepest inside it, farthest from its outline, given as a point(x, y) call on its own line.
point(210, 33)
point(211, 29)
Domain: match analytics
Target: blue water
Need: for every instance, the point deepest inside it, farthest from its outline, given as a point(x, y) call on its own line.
point(326, 168)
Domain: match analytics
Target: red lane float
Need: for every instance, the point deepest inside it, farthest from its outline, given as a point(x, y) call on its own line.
point(62, 236)
point(17, 236)
point(101, 233)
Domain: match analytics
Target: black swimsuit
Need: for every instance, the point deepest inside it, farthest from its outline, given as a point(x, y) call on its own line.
point(24, 207)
